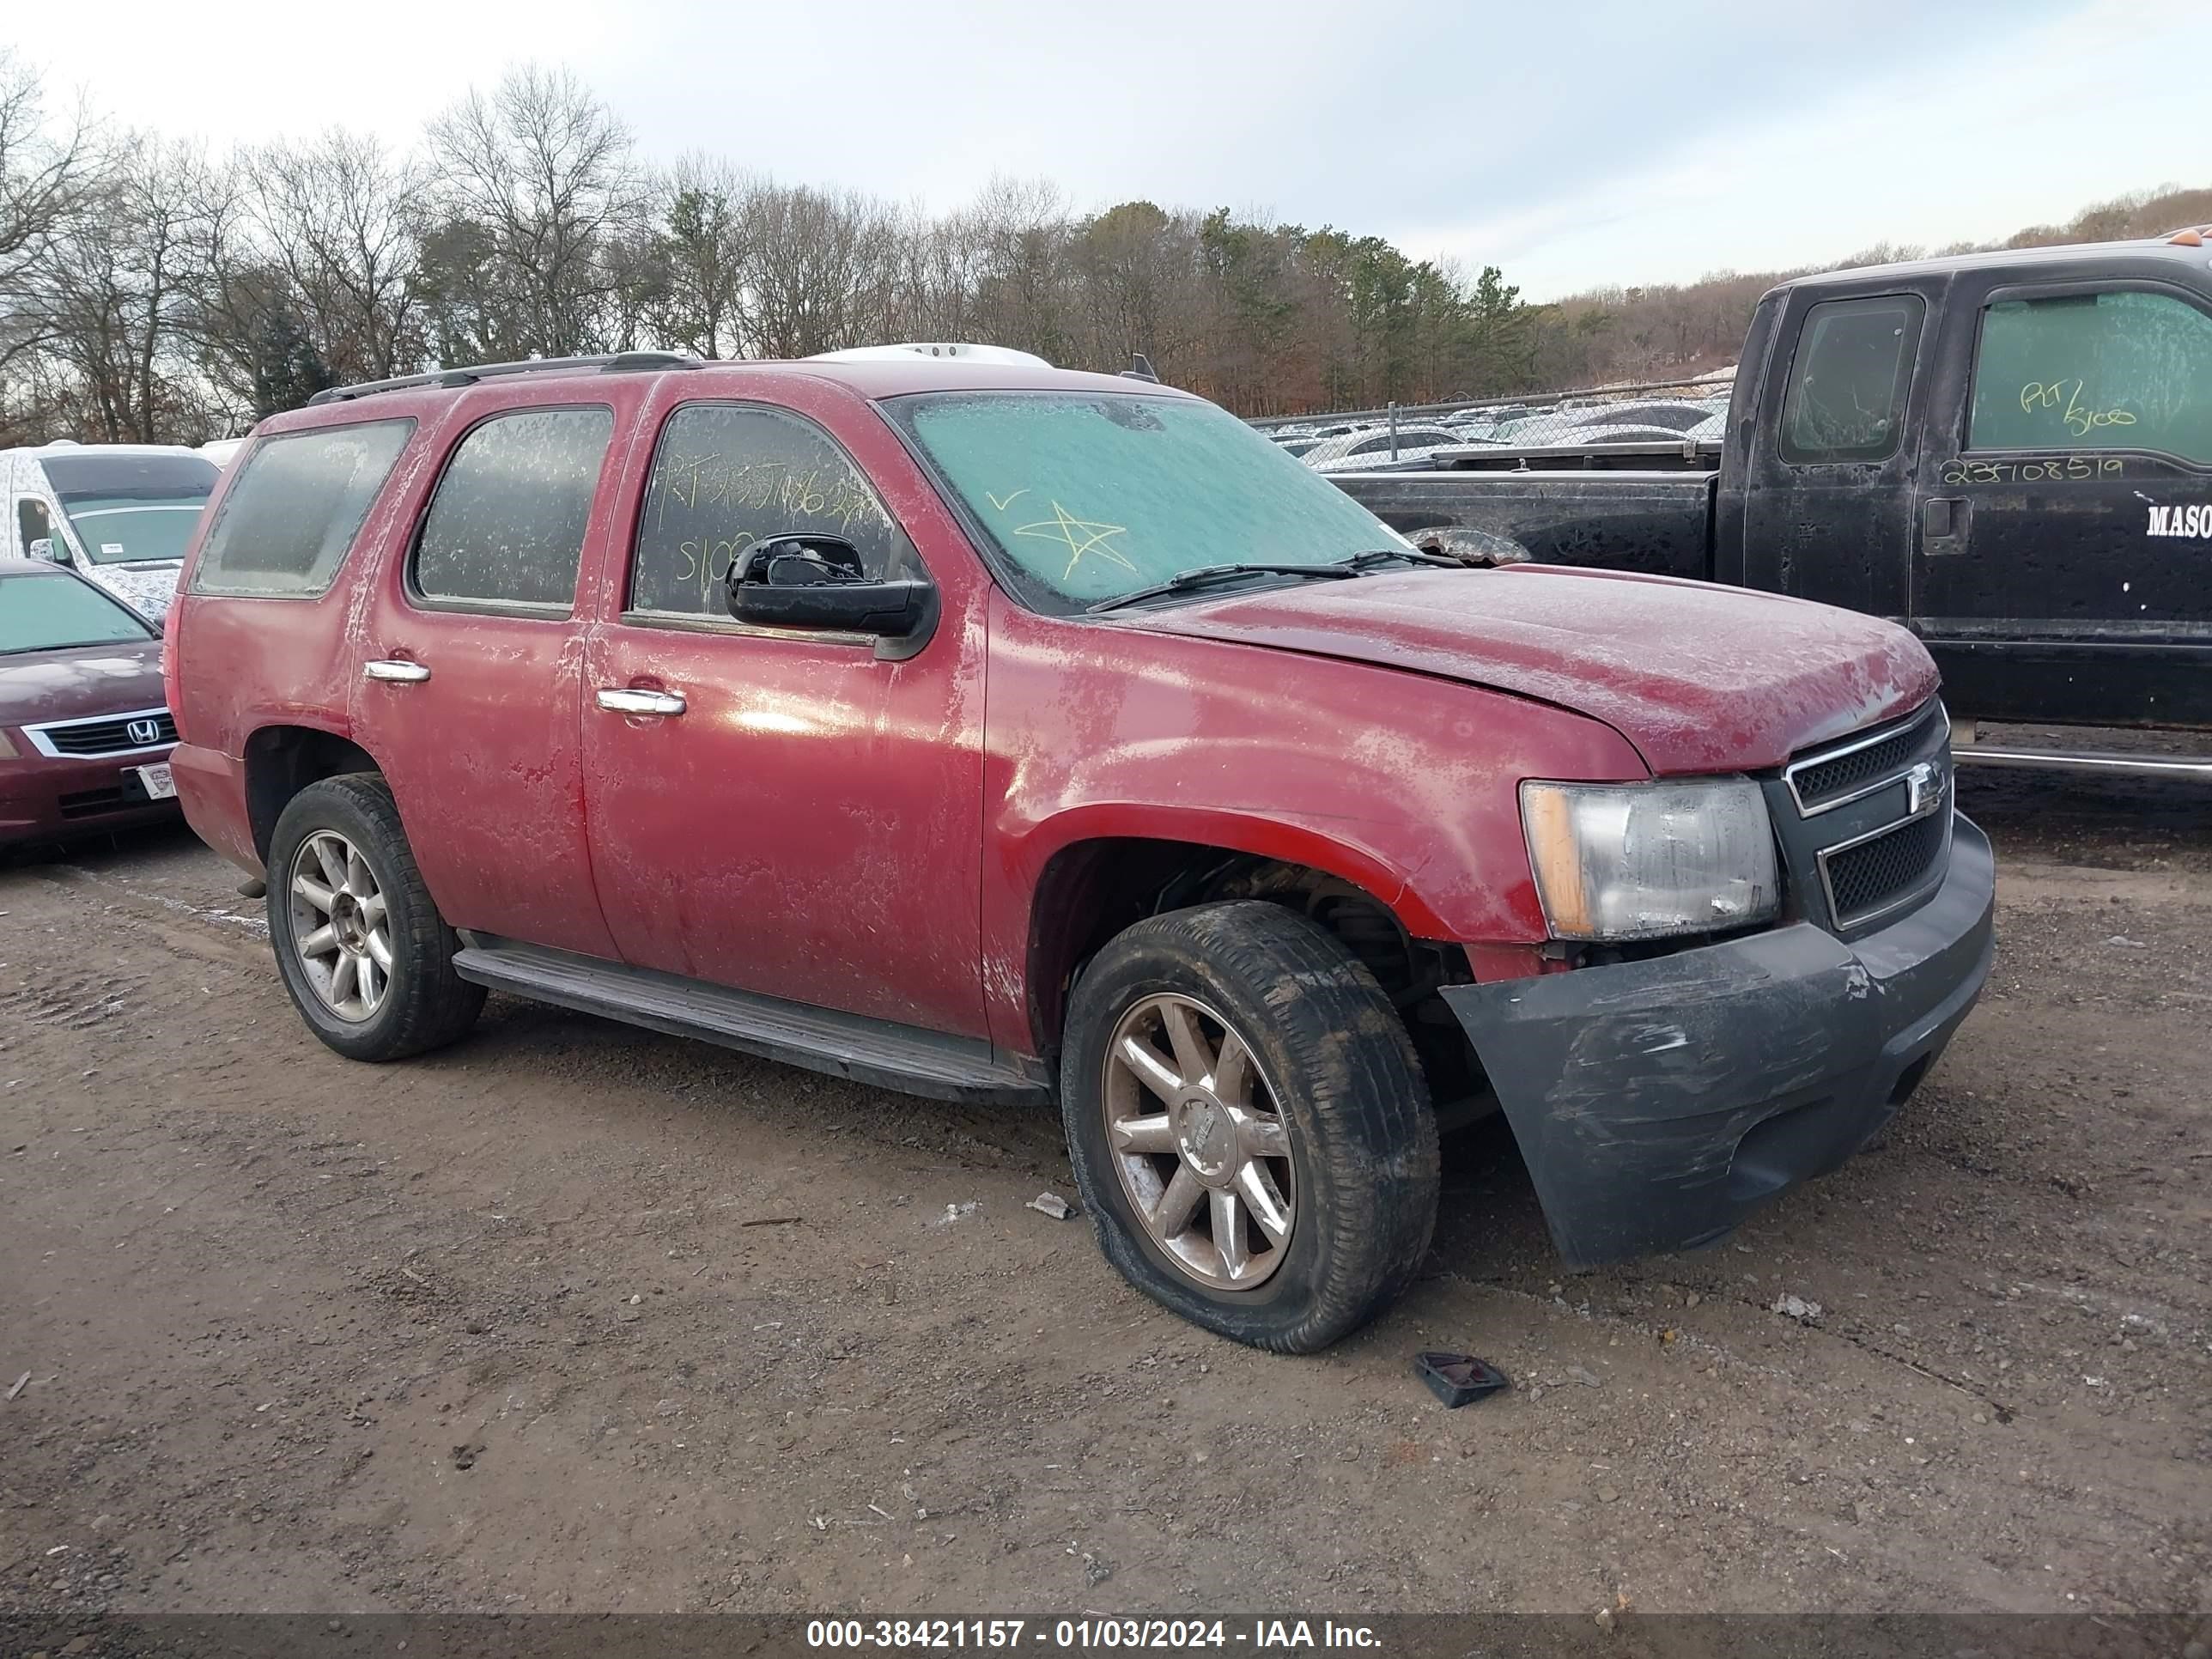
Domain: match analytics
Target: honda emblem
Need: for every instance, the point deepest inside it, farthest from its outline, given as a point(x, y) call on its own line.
point(144, 733)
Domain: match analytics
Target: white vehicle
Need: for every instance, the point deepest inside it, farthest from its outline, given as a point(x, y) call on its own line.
point(120, 515)
point(1371, 446)
point(221, 450)
point(953, 350)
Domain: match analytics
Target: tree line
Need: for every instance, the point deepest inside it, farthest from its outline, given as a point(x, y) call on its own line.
point(1663, 330)
point(151, 291)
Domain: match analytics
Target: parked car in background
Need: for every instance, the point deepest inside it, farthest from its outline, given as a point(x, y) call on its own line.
point(1374, 446)
point(222, 451)
point(85, 731)
point(120, 515)
point(658, 689)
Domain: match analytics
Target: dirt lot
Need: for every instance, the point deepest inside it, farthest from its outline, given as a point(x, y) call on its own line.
point(577, 1317)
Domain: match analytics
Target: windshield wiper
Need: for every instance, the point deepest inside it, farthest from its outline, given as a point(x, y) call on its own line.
point(1183, 580)
point(1369, 560)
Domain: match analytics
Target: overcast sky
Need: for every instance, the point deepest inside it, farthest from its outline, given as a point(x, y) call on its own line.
point(1569, 143)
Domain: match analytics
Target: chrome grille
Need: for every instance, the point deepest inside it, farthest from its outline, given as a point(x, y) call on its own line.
point(1869, 876)
point(1855, 768)
point(1865, 823)
point(107, 734)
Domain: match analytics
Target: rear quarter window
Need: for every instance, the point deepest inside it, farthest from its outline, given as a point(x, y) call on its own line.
point(292, 513)
point(1847, 382)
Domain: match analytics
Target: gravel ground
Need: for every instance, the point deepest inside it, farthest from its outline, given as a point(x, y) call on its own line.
point(577, 1317)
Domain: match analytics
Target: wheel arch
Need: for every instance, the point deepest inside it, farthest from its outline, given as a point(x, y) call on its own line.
point(281, 760)
point(1091, 886)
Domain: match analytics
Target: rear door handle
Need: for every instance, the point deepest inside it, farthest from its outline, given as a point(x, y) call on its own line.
point(396, 670)
point(623, 699)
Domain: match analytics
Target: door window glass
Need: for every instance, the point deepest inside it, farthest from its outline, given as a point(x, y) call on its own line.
point(728, 475)
point(2122, 369)
point(1847, 384)
point(31, 524)
point(507, 526)
point(294, 508)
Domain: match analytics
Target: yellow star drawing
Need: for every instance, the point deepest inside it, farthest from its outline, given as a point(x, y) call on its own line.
point(1078, 536)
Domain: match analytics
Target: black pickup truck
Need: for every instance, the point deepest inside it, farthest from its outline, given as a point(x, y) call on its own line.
point(2009, 453)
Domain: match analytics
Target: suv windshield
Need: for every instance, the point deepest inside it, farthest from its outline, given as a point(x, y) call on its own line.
point(46, 612)
point(130, 508)
point(1089, 495)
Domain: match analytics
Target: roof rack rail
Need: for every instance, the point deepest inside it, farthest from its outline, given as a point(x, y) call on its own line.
point(620, 363)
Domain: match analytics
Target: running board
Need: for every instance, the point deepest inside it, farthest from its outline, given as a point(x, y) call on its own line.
point(2131, 766)
point(875, 1052)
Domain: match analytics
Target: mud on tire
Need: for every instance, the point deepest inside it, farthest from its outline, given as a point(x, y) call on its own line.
point(424, 1005)
point(1346, 1086)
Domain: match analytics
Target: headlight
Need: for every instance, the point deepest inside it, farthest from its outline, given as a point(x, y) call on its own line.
point(1642, 860)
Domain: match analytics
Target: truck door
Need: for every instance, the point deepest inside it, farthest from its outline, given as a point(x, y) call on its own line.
point(2065, 527)
point(1827, 507)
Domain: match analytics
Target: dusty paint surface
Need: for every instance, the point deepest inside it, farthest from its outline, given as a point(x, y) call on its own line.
point(1700, 678)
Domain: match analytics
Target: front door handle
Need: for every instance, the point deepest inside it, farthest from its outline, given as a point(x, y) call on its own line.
point(624, 699)
point(397, 671)
point(1944, 524)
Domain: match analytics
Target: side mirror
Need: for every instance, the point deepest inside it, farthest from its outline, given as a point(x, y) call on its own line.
point(817, 583)
point(44, 549)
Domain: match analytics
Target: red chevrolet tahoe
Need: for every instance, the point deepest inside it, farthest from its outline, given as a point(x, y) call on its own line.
point(994, 733)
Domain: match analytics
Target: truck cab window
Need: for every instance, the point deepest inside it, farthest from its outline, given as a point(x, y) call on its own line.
point(2121, 370)
point(728, 475)
point(1848, 382)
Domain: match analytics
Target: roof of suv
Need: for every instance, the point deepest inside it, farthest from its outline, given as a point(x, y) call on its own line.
point(871, 380)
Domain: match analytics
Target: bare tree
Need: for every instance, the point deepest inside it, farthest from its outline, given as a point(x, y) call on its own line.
point(337, 216)
point(699, 246)
point(818, 264)
point(117, 300)
point(545, 170)
point(46, 177)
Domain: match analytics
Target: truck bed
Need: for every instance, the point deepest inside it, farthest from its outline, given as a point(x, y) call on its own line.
point(1656, 522)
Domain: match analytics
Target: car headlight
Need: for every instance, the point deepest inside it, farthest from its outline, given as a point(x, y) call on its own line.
point(1643, 860)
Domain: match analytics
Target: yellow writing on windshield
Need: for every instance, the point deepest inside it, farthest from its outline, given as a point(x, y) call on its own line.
point(1081, 536)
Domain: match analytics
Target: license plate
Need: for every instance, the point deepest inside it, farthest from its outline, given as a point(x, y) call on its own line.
point(160, 785)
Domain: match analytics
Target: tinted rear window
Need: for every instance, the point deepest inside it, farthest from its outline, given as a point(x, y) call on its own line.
point(47, 613)
point(295, 508)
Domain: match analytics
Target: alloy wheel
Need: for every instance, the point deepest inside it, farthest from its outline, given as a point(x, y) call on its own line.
point(341, 926)
point(1199, 1142)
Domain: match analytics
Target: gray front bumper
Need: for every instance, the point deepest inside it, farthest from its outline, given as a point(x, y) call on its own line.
point(1658, 1102)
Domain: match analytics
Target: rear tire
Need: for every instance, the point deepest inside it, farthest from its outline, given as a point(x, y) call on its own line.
point(1326, 1101)
point(364, 953)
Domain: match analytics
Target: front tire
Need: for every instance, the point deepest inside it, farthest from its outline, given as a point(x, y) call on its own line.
point(1247, 1124)
point(364, 953)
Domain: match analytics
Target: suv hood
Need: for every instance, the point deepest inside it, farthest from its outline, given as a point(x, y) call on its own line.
point(1698, 677)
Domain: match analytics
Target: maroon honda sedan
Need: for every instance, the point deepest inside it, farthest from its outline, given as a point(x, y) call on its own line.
point(84, 732)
